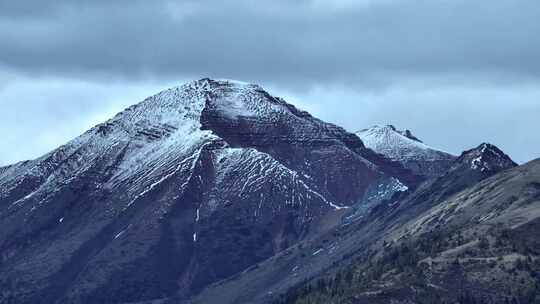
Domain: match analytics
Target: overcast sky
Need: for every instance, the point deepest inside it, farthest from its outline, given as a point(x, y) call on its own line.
point(457, 73)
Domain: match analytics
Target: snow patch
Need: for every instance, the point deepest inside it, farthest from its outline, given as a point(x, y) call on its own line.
point(318, 251)
point(119, 234)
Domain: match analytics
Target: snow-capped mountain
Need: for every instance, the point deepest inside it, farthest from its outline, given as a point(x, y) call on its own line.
point(183, 189)
point(217, 192)
point(404, 147)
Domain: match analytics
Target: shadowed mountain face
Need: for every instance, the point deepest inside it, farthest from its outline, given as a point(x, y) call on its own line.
point(188, 187)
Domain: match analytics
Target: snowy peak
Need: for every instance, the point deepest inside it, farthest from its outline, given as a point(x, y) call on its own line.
point(406, 133)
point(399, 145)
point(186, 102)
point(487, 158)
point(404, 147)
point(148, 141)
point(177, 119)
point(471, 167)
point(160, 115)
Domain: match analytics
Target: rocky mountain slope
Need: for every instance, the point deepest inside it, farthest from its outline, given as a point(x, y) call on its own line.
point(357, 238)
point(188, 187)
point(479, 245)
point(404, 147)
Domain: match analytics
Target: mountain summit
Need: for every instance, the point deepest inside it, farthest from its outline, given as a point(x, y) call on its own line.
point(487, 158)
point(404, 147)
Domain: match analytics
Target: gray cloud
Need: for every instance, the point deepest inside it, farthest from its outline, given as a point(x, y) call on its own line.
point(455, 72)
point(294, 41)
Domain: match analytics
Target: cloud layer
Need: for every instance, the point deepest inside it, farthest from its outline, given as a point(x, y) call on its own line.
point(285, 41)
